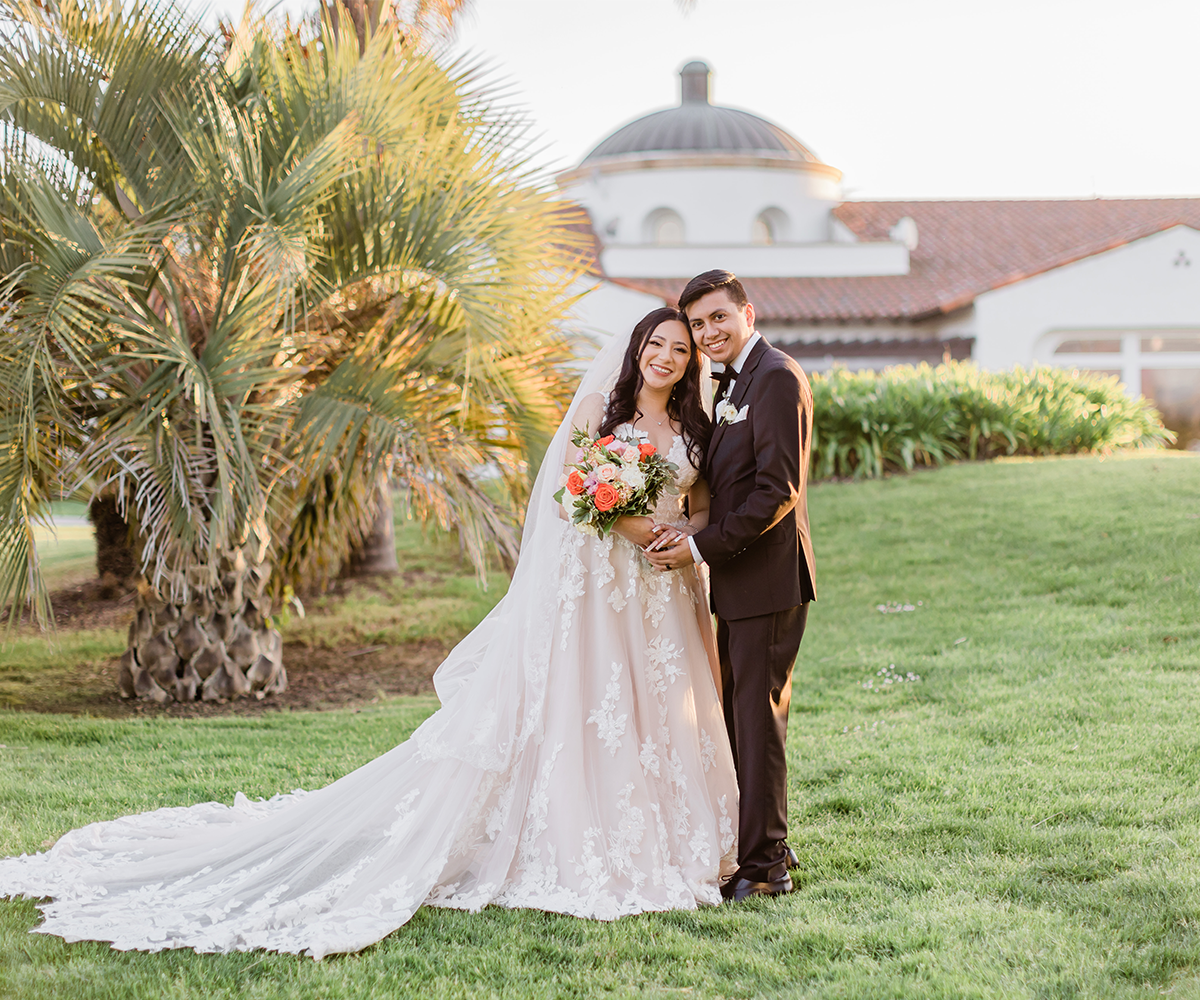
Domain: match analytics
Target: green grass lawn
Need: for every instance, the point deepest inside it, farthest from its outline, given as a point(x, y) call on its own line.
point(68, 554)
point(437, 596)
point(32, 663)
point(1022, 821)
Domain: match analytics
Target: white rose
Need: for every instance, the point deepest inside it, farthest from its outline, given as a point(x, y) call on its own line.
point(607, 472)
point(632, 476)
point(727, 413)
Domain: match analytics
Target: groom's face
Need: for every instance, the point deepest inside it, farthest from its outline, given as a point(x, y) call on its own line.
point(719, 328)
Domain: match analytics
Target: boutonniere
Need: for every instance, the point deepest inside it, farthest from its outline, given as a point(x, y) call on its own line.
point(727, 413)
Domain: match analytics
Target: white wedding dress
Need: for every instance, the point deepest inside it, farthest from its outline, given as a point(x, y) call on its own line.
point(579, 763)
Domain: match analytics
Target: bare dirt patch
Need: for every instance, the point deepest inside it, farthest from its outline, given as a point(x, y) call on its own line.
point(319, 678)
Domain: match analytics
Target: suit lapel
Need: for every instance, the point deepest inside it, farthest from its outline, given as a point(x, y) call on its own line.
point(740, 386)
point(746, 375)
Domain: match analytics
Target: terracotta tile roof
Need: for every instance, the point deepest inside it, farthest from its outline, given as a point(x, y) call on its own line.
point(965, 248)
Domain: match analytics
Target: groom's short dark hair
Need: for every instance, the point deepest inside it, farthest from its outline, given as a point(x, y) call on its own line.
point(712, 281)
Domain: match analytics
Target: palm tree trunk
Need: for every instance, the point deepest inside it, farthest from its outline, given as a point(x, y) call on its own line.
point(219, 645)
point(116, 566)
point(377, 554)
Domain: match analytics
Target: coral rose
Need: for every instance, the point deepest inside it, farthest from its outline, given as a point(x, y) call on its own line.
point(606, 497)
point(647, 450)
point(574, 483)
point(606, 440)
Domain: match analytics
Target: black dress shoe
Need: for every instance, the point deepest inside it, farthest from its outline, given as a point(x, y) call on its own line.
point(790, 858)
point(737, 888)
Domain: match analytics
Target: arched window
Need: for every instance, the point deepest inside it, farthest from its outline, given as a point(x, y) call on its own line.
point(664, 228)
point(770, 227)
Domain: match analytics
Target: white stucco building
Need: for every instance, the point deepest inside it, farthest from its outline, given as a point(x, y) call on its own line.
point(1108, 285)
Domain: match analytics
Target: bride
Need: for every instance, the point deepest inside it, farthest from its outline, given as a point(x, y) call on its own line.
point(579, 762)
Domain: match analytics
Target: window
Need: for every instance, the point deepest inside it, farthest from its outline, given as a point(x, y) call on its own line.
point(1171, 342)
point(1163, 365)
point(664, 228)
point(770, 227)
point(1112, 346)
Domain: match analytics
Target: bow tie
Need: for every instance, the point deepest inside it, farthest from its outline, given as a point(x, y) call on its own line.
point(723, 379)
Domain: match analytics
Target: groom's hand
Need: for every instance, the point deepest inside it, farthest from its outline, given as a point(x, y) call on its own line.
point(674, 556)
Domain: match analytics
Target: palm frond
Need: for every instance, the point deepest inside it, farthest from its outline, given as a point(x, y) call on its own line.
point(84, 80)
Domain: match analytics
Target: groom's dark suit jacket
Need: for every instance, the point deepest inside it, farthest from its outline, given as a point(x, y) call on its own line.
point(757, 541)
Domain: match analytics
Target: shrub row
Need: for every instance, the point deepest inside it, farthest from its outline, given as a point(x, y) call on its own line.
point(867, 423)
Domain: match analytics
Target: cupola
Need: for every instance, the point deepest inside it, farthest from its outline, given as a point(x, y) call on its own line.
point(699, 127)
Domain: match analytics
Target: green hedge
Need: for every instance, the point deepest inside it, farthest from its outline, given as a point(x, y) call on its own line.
point(867, 423)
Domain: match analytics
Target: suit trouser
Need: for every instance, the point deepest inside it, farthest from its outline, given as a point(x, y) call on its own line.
point(757, 655)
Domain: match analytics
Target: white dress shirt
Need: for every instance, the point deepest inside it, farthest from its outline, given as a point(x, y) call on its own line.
point(736, 364)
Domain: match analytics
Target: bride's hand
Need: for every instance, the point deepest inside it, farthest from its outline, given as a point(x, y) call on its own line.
point(638, 530)
point(669, 534)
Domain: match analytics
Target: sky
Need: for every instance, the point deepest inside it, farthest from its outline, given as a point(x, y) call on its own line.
point(909, 98)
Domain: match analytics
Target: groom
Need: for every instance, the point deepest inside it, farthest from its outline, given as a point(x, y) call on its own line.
point(758, 548)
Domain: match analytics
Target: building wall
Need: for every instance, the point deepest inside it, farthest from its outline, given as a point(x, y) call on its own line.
point(718, 205)
point(1133, 312)
point(1146, 284)
point(606, 309)
point(784, 260)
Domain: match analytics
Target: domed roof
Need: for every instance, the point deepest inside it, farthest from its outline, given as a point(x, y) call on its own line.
point(698, 126)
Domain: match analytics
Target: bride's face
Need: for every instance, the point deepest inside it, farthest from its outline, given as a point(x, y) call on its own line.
point(666, 355)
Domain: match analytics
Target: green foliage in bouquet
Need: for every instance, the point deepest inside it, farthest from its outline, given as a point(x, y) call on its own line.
point(866, 423)
point(612, 478)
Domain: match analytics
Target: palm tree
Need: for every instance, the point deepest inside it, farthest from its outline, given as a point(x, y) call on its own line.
point(420, 21)
point(241, 284)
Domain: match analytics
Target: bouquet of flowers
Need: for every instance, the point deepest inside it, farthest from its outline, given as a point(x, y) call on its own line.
point(611, 478)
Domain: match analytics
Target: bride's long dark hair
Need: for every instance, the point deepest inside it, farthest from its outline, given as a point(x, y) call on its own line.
point(683, 406)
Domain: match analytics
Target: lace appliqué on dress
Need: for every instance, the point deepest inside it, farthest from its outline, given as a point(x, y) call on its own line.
point(572, 585)
point(610, 727)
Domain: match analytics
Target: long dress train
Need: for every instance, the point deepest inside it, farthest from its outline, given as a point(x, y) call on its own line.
point(579, 763)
